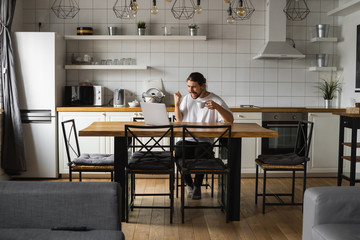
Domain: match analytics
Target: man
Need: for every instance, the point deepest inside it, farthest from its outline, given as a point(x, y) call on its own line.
point(189, 110)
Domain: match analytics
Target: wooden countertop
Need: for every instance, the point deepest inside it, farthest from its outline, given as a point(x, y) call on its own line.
point(345, 114)
point(171, 109)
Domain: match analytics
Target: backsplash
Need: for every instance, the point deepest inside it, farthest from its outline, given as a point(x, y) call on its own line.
point(225, 58)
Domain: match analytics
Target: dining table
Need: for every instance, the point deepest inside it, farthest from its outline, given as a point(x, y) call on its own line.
point(238, 131)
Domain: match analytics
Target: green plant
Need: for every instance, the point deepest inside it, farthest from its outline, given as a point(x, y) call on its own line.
point(193, 25)
point(329, 88)
point(141, 24)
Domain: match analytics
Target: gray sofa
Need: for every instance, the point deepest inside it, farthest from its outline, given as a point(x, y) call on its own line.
point(60, 210)
point(331, 213)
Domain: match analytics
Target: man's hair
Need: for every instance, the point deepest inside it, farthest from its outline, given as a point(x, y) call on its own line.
point(197, 77)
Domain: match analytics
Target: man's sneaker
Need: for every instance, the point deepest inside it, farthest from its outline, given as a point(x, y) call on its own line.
point(196, 193)
point(189, 191)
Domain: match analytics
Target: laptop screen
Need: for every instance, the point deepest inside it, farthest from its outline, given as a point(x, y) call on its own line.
point(155, 113)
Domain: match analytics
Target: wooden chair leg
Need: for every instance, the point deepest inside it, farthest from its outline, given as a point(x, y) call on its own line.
point(264, 192)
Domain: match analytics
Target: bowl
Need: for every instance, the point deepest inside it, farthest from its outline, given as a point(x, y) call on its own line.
point(132, 104)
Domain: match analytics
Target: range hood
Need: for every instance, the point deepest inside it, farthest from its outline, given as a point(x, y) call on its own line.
point(276, 46)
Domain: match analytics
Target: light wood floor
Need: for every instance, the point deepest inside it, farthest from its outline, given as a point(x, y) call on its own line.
point(279, 222)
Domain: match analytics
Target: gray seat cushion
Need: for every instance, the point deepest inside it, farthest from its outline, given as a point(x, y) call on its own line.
point(146, 161)
point(283, 159)
point(201, 164)
point(94, 159)
point(336, 232)
point(47, 234)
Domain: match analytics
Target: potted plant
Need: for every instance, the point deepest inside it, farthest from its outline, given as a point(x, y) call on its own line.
point(193, 29)
point(141, 28)
point(328, 89)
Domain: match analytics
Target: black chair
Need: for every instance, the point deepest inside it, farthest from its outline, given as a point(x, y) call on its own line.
point(294, 162)
point(149, 155)
point(206, 162)
point(85, 162)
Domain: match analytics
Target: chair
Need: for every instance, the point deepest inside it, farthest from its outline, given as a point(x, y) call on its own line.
point(293, 162)
point(206, 162)
point(83, 162)
point(149, 155)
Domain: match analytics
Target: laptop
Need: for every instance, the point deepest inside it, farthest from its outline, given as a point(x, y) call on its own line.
point(155, 113)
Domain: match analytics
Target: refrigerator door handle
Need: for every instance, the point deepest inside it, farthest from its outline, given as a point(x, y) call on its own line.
point(35, 116)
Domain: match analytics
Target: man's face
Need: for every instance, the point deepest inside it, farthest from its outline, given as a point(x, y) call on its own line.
point(195, 89)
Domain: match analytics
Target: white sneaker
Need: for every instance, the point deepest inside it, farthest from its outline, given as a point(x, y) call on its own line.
point(189, 191)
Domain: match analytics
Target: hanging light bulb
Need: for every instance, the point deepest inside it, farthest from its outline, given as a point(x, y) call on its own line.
point(198, 8)
point(134, 6)
point(230, 19)
point(226, 1)
point(154, 10)
point(240, 11)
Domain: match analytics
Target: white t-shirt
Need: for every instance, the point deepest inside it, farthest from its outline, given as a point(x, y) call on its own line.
point(193, 113)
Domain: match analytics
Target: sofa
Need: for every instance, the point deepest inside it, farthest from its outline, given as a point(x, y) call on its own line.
point(331, 213)
point(60, 210)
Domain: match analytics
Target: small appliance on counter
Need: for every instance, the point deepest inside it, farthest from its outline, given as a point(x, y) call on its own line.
point(120, 97)
point(84, 96)
point(153, 95)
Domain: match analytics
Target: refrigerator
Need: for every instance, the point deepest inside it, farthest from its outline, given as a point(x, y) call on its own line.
point(40, 74)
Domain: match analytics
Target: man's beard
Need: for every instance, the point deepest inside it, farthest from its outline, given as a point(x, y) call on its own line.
point(197, 94)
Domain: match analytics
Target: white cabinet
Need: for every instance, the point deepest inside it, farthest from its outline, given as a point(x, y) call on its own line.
point(88, 144)
point(324, 143)
point(250, 147)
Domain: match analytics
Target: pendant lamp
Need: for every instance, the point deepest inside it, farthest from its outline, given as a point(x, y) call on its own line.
point(242, 9)
point(183, 9)
point(296, 10)
point(125, 9)
point(65, 9)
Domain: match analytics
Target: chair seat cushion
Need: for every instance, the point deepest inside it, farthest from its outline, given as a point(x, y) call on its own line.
point(48, 234)
point(94, 159)
point(156, 160)
point(283, 159)
point(342, 231)
point(201, 164)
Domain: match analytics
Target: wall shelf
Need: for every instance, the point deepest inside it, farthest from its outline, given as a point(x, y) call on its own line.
point(345, 9)
point(105, 67)
point(322, 69)
point(135, 37)
point(328, 39)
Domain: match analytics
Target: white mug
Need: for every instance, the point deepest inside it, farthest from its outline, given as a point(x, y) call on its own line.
point(201, 104)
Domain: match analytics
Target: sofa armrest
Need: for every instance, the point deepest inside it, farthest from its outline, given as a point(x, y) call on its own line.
point(326, 205)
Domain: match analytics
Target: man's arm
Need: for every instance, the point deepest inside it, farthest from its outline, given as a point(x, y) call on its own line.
point(225, 114)
point(178, 113)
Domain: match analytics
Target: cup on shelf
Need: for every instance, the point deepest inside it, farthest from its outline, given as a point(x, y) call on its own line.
point(109, 62)
point(112, 30)
point(103, 62)
point(322, 30)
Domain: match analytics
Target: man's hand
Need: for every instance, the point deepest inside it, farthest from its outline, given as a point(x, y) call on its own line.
point(177, 98)
point(210, 104)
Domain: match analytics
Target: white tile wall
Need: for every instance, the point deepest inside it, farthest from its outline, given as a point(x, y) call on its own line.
point(225, 58)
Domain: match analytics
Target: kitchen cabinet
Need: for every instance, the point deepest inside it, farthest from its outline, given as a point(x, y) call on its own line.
point(324, 144)
point(88, 144)
point(250, 147)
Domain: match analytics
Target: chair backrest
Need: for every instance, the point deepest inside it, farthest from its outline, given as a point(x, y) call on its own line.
point(221, 141)
point(303, 139)
point(70, 139)
point(162, 141)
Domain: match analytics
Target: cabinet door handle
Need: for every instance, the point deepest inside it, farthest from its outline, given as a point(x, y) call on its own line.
point(241, 116)
point(104, 114)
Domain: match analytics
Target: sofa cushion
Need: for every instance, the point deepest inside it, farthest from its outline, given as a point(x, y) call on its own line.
point(47, 234)
point(336, 231)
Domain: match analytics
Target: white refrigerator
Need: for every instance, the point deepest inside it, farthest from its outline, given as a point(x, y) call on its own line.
point(39, 59)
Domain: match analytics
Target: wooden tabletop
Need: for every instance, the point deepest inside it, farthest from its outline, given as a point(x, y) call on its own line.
point(116, 129)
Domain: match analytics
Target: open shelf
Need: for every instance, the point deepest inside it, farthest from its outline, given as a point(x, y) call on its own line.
point(345, 9)
point(135, 37)
point(348, 144)
point(106, 67)
point(322, 69)
point(349, 158)
point(327, 39)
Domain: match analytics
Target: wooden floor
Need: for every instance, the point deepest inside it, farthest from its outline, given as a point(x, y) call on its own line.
point(279, 222)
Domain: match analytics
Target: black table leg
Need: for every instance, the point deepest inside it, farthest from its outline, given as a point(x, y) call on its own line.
point(341, 152)
point(235, 177)
point(119, 165)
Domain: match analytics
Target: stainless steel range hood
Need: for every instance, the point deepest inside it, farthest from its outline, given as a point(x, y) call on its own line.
point(276, 46)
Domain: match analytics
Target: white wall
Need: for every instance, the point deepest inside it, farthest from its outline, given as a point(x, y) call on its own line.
point(225, 59)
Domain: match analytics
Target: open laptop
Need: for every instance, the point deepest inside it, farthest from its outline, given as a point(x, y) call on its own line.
point(155, 113)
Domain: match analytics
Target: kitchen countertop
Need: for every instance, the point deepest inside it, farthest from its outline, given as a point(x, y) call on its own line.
point(171, 109)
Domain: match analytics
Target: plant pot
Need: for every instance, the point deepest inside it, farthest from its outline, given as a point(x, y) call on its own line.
point(192, 31)
point(322, 30)
point(322, 60)
point(327, 103)
point(141, 31)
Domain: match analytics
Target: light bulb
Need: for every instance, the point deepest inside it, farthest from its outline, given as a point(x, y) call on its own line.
point(154, 10)
point(198, 9)
point(134, 7)
point(230, 20)
point(240, 11)
point(226, 1)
